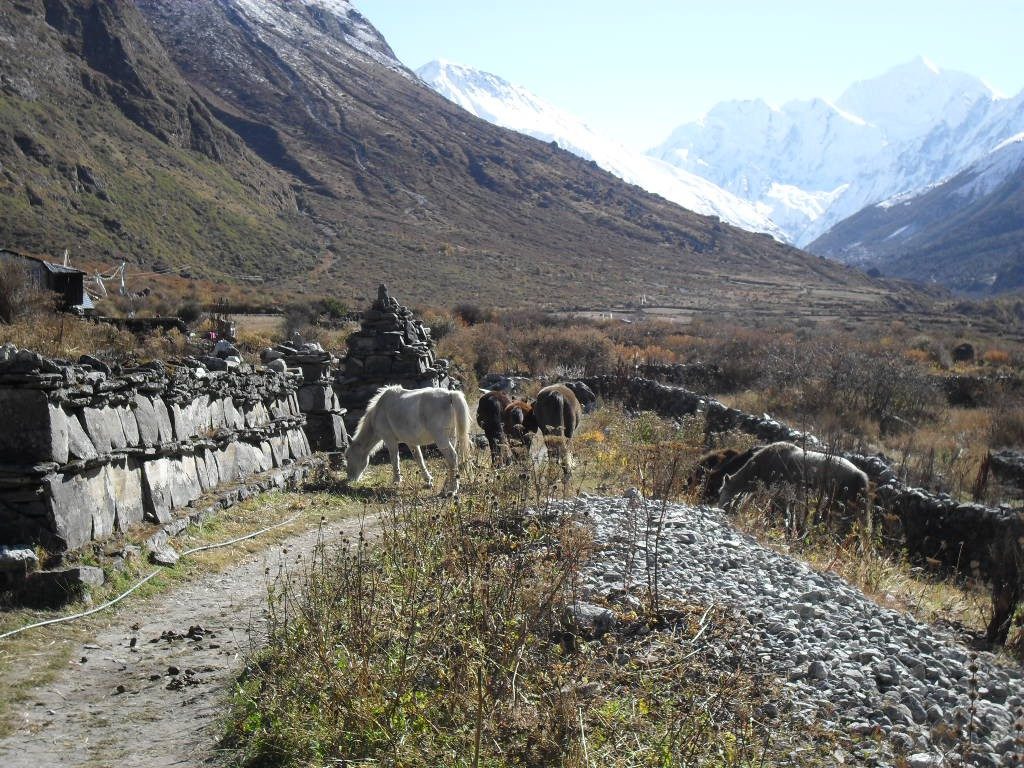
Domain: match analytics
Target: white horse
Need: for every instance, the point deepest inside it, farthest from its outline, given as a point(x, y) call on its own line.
point(415, 417)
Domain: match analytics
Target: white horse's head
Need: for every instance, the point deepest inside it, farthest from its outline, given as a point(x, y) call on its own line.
point(356, 461)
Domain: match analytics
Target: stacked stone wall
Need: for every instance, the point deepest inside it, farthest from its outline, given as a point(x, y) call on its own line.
point(318, 397)
point(86, 453)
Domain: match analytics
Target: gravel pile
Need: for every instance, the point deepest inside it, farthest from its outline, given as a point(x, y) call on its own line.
point(900, 688)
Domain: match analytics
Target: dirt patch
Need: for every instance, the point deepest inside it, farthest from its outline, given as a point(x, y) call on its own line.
point(149, 688)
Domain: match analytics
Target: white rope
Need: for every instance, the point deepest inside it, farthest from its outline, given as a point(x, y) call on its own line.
point(127, 592)
point(80, 615)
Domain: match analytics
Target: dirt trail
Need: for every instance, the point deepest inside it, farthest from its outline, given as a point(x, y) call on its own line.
point(174, 687)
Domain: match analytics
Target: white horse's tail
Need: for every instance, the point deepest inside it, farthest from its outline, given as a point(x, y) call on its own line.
point(463, 420)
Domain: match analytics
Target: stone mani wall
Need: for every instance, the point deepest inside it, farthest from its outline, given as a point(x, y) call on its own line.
point(318, 397)
point(85, 453)
point(647, 395)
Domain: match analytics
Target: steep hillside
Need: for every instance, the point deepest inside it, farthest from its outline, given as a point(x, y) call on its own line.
point(107, 151)
point(282, 141)
point(967, 232)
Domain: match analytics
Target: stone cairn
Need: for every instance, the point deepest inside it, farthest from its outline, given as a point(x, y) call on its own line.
point(318, 400)
point(86, 452)
point(390, 347)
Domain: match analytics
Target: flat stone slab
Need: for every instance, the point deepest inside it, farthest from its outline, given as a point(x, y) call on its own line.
point(34, 430)
point(45, 589)
point(19, 559)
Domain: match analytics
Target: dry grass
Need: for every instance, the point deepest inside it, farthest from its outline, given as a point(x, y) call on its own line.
point(443, 644)
point(886, 578)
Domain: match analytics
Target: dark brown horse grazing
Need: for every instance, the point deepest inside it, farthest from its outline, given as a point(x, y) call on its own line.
point(710, 470)
point(832, 475)
point(490, 412)
point(558, 413)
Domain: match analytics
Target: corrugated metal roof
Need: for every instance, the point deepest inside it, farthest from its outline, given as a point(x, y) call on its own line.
point(60, 269)
point(57, 269)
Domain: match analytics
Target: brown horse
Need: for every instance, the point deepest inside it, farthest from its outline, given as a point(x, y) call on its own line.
point(557, 413)
point(490, 412)
point(520, 421)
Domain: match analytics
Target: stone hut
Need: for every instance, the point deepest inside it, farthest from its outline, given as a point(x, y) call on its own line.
point(390, 347)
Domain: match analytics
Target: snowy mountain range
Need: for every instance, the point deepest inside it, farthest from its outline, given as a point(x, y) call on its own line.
point(510, 106)
point(812, 163)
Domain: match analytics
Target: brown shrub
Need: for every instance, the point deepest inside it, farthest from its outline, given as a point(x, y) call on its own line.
point(19, 295)
point(997, 357)
point(1007, 428)
point(573, 351)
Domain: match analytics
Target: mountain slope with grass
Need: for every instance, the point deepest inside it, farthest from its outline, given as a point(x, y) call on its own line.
point(496, 100)
point(107, 151)
point(281, 144)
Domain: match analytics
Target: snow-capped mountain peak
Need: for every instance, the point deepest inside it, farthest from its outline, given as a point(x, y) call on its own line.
point(913, 97)
point(812, 163)
point(502, 103)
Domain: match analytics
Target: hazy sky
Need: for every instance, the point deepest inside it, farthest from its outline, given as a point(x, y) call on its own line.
point(634, 71)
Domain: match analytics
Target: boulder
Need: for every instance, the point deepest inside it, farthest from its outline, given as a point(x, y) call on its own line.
point(181, 419)
point(50, 589)
point(123, 478)
point(163, 421)
point(146, 421)
point(156, 490)
point(227, 463)
point(587, 620)
point(81, 506)
point(115, 430)
point(183, 481)
point(129, 426)
point(166, 555)
point(269, 355)
point(95, 363)
point(317, 398)
point(224, 349)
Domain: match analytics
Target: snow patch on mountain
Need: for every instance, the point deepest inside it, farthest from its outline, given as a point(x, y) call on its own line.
point(908, 101)
point(494, 99)
point(988, 173)
point(350, 25)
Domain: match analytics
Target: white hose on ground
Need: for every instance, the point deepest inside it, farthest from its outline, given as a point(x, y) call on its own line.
point(127, 592)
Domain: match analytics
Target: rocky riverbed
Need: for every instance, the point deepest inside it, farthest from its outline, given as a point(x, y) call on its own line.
point(901, 690)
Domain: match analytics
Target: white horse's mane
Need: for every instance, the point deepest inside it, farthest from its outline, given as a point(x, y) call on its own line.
point(367, 418)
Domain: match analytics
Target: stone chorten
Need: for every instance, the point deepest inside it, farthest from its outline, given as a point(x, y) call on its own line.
point(391, 347)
